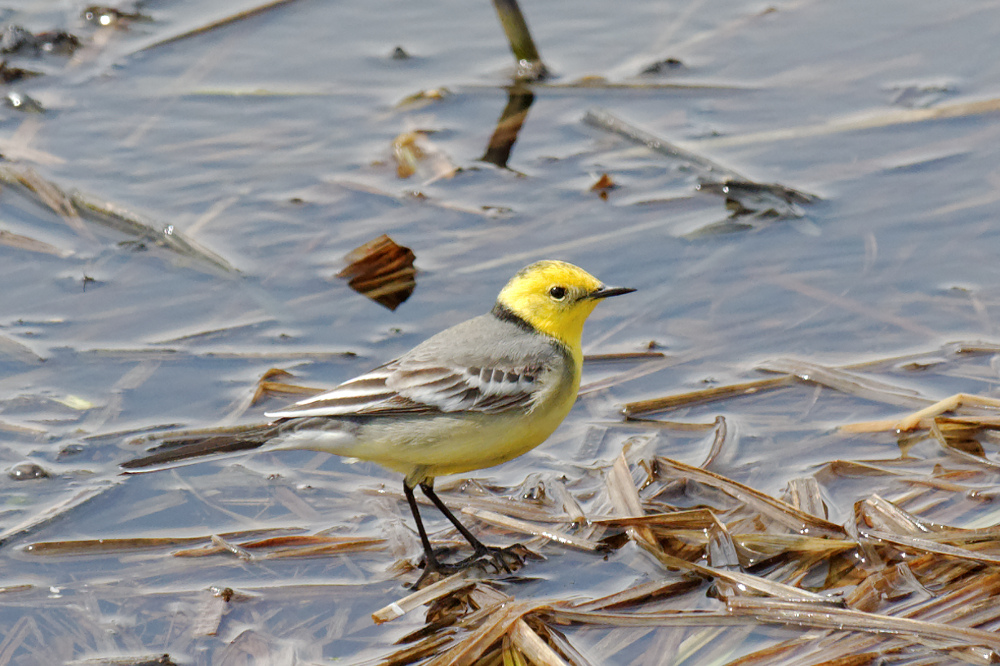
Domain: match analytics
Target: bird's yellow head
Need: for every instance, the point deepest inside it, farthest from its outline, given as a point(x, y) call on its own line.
point(555, 298)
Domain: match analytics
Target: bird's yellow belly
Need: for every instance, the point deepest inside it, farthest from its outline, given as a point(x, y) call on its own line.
point(422, 447)
point(452, 444)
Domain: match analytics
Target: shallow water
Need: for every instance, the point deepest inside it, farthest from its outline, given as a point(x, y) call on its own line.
point(268, 141)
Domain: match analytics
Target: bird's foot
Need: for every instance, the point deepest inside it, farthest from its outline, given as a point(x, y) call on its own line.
point(435, 571)
point(435, 568)
point(494, 559)
point(487, 560)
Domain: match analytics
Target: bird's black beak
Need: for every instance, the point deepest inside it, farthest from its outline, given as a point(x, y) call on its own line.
point(608, 292)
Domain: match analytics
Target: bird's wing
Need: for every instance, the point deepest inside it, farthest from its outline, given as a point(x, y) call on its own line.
point(421, 387)
point(459, 388)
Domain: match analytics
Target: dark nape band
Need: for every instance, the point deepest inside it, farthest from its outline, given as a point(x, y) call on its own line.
point(504, 313)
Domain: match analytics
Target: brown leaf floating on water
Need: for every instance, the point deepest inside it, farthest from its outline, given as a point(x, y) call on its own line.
point(382, 271)
point(603, 183)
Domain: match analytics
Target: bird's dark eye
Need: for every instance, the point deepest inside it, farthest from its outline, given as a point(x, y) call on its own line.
point(558, 293)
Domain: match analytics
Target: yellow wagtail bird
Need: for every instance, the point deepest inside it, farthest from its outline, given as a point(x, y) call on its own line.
point(475, 395)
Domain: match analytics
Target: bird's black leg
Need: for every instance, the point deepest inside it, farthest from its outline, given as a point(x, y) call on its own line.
point(432, 562)
point(507, 559)
point(428, 490)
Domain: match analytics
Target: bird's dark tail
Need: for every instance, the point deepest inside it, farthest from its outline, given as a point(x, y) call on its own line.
point(176, 447)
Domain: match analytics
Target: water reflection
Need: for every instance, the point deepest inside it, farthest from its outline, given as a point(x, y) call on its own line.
point(519, 99)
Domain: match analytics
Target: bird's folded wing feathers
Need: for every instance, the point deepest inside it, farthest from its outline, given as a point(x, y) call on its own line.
point(402, 387)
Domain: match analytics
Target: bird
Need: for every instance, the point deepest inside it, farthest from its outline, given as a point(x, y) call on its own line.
point(475, 395)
